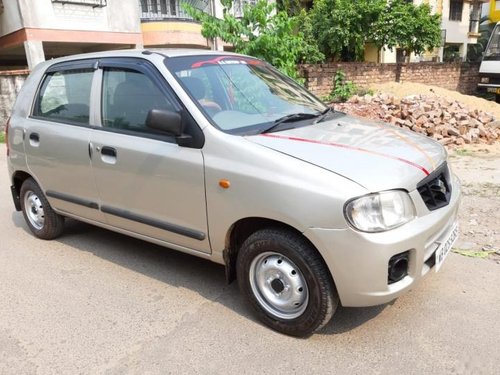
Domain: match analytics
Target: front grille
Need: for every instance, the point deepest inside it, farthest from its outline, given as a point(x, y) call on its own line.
point(494, 79)
point(435, 189)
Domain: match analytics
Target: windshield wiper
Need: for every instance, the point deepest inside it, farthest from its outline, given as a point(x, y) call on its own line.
point(290, 118)
point(324, 114)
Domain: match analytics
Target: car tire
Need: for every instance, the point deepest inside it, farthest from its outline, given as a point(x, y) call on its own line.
point(286, 282)
point(42, 220)
point(497, 98)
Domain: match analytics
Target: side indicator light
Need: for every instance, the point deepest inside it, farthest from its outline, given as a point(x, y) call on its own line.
point(225, 184)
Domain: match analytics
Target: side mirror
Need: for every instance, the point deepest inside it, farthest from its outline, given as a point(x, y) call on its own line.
point(166, 121)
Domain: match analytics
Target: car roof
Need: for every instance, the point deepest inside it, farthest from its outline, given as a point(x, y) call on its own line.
point(168, 52)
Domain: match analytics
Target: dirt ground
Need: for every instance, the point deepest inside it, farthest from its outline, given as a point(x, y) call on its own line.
point(478, 167)
point(401, 90)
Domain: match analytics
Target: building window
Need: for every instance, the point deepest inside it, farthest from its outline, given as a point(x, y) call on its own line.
point(456, 8)
point(239, 5)
point(159, 8)
point(164, 9)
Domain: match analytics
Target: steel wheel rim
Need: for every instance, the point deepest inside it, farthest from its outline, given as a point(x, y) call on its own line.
point(34, 210)
point(278, 285)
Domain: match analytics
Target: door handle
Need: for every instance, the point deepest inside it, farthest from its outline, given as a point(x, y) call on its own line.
point(108, 155)
point(34, 139)
point(108, 151)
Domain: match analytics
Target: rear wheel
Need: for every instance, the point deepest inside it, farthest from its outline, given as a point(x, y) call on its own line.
point(497, 98)
point(286, 282)
point(42, 220)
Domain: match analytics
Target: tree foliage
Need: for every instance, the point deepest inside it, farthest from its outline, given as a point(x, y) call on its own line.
point(343, 27)
point(407, 26)
point(263, 32)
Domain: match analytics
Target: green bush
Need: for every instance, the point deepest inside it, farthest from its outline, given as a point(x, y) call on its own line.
point(342, 89)
point(263, 32)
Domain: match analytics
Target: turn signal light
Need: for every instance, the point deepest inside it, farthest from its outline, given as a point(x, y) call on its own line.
point(225, 184)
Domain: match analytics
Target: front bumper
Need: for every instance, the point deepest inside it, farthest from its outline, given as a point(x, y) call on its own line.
point(489, 87)
point(358, 261)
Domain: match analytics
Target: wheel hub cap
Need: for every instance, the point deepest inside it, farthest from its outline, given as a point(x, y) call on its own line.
point(278, 285)
point(34, 210)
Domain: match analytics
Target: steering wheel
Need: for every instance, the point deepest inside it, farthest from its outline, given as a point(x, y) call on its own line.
point(210, 106)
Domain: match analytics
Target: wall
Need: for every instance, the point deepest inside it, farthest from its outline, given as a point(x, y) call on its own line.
point(117, 16)
point(10, 18)
point(454, 76)
point(462, 77)
point(10, 84)
point(456, 31)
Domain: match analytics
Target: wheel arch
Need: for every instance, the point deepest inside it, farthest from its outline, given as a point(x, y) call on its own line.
point(241, 230)
point(18, 179)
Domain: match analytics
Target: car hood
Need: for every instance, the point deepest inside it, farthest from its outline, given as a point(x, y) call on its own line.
point(375, 155)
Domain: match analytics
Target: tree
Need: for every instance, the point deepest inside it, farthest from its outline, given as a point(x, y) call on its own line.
point(342, 27)
point(407, 26)
point(263, 32)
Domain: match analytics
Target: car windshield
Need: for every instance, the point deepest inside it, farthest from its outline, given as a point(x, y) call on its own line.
point(493, 49)
point(242, 95)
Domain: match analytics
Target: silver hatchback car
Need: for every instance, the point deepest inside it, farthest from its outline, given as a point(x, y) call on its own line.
point(220, 156)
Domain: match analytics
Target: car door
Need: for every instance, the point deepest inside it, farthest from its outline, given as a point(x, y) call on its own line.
point(147, 183)
point(57, 136)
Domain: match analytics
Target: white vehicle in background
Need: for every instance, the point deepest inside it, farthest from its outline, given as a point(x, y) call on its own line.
point(489, 71)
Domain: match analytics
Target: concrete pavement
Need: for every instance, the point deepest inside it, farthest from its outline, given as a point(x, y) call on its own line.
point(95, 301)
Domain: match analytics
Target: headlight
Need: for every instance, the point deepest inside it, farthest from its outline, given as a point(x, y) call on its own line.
point(380, 211)
point(485, 79)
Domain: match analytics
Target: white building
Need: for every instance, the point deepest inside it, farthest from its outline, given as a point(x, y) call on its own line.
point(34, 30)
point(459, 28)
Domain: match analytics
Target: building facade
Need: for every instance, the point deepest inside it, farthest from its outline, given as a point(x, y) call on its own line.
point(34, 30)
point(165, 23)
point(459, 28)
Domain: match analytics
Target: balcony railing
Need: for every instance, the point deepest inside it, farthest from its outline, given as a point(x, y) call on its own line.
point(152, 10)
point(92, 3)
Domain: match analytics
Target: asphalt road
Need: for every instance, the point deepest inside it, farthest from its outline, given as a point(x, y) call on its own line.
point(96, 302)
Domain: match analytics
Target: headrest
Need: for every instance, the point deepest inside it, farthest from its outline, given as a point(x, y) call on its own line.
point(195, 87)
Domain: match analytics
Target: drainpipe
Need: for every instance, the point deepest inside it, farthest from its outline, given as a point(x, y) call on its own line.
point(475, 16)
point(215, 46)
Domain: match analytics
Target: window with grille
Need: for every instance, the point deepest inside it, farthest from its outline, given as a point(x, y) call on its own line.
point(456, 8)
point(239, 5)
point(161, 9)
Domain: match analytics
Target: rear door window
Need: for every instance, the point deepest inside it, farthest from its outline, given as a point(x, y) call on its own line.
point(65, 96)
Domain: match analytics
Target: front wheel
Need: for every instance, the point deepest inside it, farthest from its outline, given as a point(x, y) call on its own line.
point(42, 220)
point(286, 282)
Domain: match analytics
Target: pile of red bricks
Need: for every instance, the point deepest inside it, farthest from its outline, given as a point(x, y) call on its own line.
point(447, 121)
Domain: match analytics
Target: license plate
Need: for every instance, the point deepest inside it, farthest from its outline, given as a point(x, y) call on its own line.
point(445, 247)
